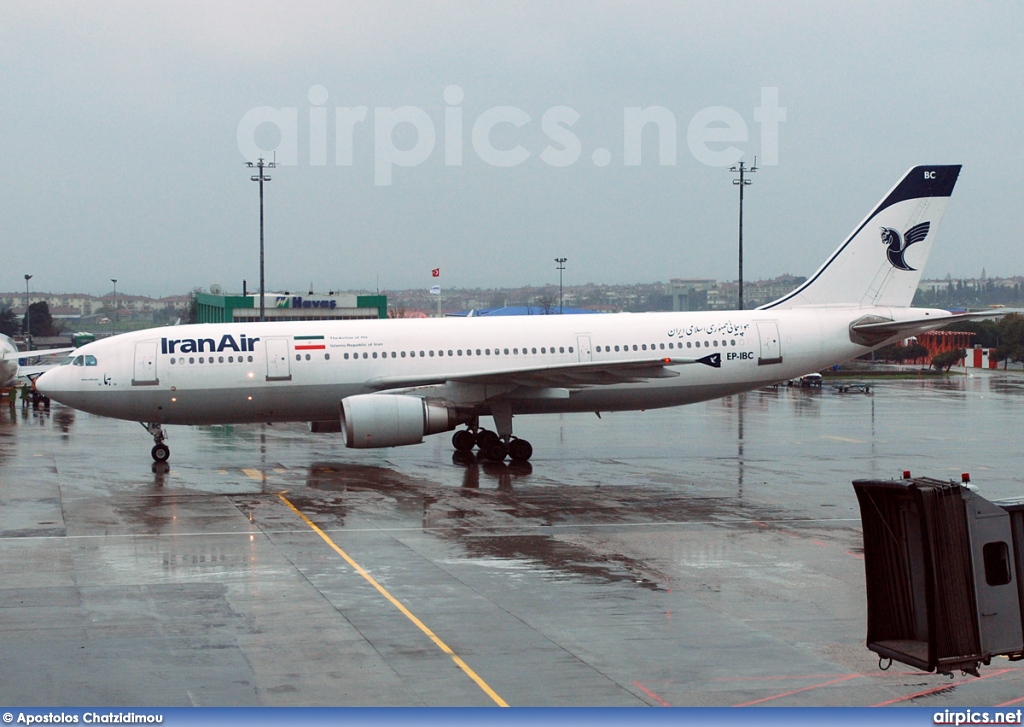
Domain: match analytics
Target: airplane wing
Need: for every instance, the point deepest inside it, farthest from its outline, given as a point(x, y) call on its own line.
point(34, 372)
point(44, 353)
point(568, 376)
point(38, 369)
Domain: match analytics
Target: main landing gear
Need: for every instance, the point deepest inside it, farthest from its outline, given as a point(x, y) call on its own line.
point(491, 446)
point(494, 446)
point(161, 452)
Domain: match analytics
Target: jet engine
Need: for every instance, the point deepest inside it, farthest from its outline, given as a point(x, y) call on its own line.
point(392, 420)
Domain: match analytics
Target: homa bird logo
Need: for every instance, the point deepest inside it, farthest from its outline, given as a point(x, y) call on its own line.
point(895, 248)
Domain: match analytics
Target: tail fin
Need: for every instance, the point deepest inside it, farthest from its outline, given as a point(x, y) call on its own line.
point(880, 263)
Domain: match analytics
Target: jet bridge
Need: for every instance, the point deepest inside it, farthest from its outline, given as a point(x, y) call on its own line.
point(944, 571)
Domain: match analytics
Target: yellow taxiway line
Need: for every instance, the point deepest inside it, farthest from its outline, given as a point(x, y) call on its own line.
point(398, 604)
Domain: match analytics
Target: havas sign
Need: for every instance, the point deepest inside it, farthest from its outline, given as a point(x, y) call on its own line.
point(297, 301)
point(207, 345)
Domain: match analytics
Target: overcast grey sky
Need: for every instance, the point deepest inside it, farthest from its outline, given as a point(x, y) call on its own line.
point(121, 127)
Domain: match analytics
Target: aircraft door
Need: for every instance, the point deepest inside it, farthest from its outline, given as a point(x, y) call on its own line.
point(771, 345)
point(144, 373)
point(278, 362)
point(583, 345)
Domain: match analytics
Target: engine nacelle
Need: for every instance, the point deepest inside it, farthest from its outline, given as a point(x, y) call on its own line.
point(392, 420)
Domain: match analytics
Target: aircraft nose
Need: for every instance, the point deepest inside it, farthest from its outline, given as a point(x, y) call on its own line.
point(46, 384)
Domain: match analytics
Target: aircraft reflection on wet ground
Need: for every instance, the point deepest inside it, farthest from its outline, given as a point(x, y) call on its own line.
point(702, 555)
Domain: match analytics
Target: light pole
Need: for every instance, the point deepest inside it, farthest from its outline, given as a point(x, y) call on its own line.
point(261, 178)
point(561, 267)
point(28, 318)
point(742, 182)
point(114, 281)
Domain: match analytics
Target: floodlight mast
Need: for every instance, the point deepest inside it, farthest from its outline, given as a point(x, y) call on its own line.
point(742, 182)
point(261, 178)
point(561, 266)
point(28, 318)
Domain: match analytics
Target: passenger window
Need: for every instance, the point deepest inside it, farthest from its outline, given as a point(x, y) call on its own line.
point(570, 349)
point(533, 350)
point(191, 359)
point(478, 352)
point(450, 352)
point(645, 346)
point(327, 356)
point(506, 352)
point(515, 351)
point(307, 356)
point(375, 354)
point(561, 349)
point(431, 354)
point(298, 357)
point(346, 356)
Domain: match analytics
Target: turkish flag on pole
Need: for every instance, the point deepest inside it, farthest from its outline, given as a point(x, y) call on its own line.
point(435, 273)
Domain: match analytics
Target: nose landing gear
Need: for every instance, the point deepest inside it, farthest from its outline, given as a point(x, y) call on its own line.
point(161, 452)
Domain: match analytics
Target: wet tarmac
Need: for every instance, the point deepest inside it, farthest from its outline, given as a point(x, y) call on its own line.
point(706, 555)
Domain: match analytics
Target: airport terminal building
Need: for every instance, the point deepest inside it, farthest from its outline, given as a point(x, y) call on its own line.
point(287, 307)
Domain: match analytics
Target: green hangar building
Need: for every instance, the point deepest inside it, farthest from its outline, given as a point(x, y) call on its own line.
point(212, 308)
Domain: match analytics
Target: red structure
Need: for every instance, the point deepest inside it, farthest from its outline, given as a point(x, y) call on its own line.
point(941, 341)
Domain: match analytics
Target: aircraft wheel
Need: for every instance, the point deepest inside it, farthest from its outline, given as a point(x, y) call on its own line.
point(463, 440)
point(520, 450)
point(161, 452)
point(485, 437)
point(495, 450)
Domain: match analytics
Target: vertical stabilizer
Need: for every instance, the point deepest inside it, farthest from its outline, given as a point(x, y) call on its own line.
point(880, 263)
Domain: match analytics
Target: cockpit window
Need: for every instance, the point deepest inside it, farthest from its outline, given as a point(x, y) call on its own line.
point(79, 361)
point(90, 360)
point(68, 360)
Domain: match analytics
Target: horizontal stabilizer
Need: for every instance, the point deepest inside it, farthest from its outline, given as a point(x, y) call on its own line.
point(872, 331)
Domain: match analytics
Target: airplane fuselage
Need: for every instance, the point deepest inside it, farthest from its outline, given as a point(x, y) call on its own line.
point(276, 372)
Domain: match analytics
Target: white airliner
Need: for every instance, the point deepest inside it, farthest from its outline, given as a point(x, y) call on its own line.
point(387, 383)
point(10, 361)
